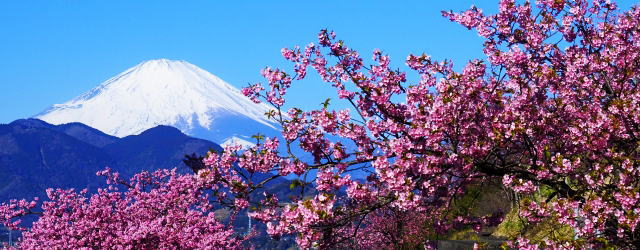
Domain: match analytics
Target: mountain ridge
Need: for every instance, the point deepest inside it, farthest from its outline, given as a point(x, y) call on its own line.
point(35, 155)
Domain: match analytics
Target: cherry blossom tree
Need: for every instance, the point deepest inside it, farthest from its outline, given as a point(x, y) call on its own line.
point(152, 210)
point(554, 106)
point(553, 110)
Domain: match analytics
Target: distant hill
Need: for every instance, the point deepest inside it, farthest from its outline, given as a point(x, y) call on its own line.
point(86, 134)
point(158, 147)
point(35, 155)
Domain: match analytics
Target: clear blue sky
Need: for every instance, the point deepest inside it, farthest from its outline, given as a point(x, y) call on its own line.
point(52, 51)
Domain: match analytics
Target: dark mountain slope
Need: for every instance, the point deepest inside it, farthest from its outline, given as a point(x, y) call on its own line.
point(34, 156)
point(155, 148)
point(87, 134)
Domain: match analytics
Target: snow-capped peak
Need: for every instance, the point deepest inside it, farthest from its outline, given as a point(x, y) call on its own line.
point(164, 92)
point(237, 141)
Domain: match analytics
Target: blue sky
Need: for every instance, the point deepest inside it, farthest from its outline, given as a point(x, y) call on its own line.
point(52, 51)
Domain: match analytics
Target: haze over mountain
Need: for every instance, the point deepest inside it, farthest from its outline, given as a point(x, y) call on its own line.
point(167, 92)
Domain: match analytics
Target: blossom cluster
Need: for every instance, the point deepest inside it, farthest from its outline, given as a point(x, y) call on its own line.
point(159, 209)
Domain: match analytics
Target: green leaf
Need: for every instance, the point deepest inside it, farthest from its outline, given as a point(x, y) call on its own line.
point(213, 151)
point(547, 154)
point(269, 114)
point(326, 103)
point(258, 137)
point(294, 184)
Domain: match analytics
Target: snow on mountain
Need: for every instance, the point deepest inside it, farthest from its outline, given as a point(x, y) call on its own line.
point(234, 140)
point(166, 92)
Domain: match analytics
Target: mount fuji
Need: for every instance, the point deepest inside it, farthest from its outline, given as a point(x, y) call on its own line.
point(167, 92)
